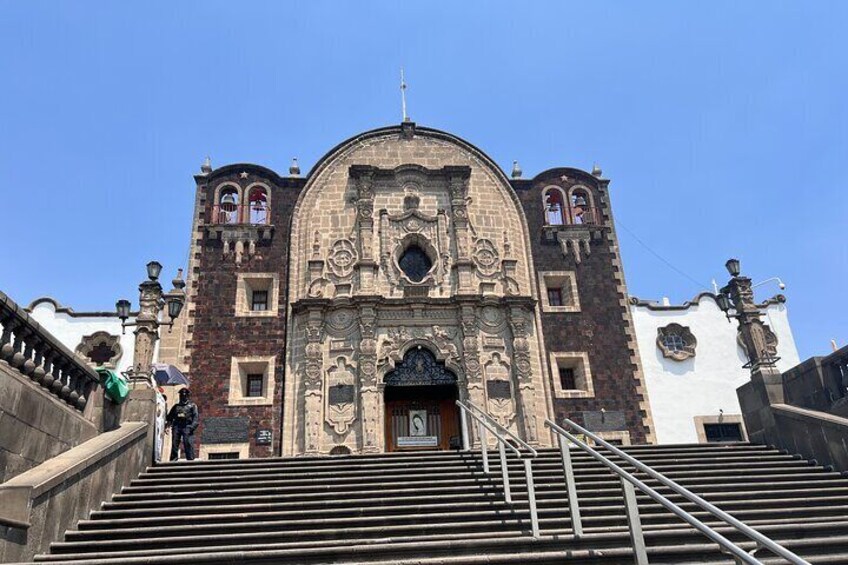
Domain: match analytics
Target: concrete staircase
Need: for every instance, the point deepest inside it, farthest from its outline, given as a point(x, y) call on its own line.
point(440, 508)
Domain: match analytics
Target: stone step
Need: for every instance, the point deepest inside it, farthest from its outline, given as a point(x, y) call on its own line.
point(496, 517)
point(547, 507)
point(820, 541)
point(195, 469)
point(140, 485)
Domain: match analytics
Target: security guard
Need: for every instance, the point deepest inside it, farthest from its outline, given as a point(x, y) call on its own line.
point(183, 418)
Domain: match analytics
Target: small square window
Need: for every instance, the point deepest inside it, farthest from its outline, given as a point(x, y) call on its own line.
point(567, 378)
point(259, 300)
point(719, 433)
point(254, 384)
point(570, 374)
point(558, 291)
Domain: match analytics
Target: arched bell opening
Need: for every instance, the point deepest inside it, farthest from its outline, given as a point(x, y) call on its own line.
point(420, 396)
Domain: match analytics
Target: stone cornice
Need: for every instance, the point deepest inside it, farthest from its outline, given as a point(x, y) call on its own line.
point(57, 306)
point(657, 307)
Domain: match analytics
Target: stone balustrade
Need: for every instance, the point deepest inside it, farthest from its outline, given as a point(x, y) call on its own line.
point(33, 351)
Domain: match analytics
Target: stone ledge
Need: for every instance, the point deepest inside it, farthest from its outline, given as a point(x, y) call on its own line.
point(17, 494)
point(822, 418)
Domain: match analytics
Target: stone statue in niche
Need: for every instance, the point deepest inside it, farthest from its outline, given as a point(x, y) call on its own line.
point(340, 397)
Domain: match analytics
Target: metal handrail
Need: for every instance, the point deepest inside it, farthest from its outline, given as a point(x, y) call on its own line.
point(486, 422)
point(628, 480)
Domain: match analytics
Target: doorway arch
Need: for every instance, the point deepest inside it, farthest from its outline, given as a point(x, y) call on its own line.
point(420, 396)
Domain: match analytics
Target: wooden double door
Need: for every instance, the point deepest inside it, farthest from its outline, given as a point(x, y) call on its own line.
point(421, 417)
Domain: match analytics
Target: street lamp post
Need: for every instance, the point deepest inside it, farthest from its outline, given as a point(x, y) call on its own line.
point(151, 302)
point(738, 294)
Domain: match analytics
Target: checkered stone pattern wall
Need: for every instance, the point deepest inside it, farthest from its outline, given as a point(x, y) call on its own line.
point(213, 334)
point(603, 327)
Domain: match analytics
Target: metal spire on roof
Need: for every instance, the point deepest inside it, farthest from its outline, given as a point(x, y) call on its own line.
point(403, 95)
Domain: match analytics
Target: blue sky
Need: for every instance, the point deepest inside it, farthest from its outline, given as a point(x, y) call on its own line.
point(722, 125)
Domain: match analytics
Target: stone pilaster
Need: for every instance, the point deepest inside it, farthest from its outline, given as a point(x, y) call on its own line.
point(363, 177)
point(458, 178)
point(313, 381)
point(471, 360)
point(519, 323)
point(370, 393)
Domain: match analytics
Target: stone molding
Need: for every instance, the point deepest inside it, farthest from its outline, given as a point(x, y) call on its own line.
point(89, 342)
point(689, 342)
point(565, 280)
point(578, 360)
point(246, 283)
point(240, 367)
point(718, 419)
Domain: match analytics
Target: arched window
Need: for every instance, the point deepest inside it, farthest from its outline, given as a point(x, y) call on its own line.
point(579, 207)
point(554, 207)
point(228, 207)
point(258, 206)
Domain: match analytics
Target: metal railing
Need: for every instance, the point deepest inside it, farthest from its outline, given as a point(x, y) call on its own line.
point(628, 482)
point(487, 423)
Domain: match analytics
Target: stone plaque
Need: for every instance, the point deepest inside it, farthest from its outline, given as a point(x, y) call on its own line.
point(225, 430)
point(611, 421)
point(498, 389)
point(340, 394)
point(263, 437)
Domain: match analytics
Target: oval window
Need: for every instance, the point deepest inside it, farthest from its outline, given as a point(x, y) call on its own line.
point(415, 263)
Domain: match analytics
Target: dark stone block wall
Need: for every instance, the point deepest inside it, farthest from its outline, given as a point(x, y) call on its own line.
point(217, 335)
point(601, 327)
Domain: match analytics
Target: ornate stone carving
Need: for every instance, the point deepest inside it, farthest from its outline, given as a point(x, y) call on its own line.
point(369, 391)
point(313, 381)
point(501, 403)
point(420, 368)
point(770, 339)
point(676, 342)
point(341, 319)
point(342, 257)
point(101, 349)
point(340, 402)
point(486, 258)
point(575, 242)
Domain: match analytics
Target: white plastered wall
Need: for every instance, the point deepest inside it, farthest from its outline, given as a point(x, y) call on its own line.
point(706, 383)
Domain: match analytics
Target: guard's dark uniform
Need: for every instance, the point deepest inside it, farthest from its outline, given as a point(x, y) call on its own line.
point(183, 420)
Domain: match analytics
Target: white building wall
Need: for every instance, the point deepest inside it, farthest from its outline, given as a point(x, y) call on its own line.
point(69, 327)
point(706, 383)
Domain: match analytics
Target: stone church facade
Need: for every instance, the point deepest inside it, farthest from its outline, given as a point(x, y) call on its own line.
point(347, 310)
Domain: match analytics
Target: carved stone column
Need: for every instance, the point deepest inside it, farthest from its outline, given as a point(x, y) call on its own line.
point(471, 361)
point(147, 329)
point(519, 323)
point(370, 393)
point(751, 328)
point(313, 381)
point(363, 177)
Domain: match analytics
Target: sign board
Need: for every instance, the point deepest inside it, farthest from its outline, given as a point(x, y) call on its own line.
point(263, 437)
point(417, 441)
